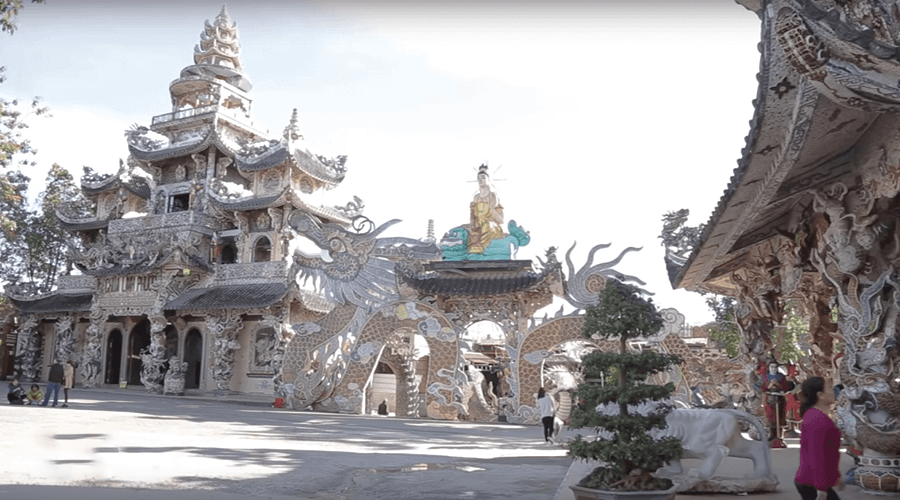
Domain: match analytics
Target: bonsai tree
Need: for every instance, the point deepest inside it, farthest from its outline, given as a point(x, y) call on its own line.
point(615, 381)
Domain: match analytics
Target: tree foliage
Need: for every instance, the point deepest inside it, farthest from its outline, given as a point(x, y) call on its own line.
point(9, 10)
point(725, 327)
point(623, 314)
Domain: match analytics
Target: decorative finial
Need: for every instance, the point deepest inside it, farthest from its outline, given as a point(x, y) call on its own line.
point(223, 18)
point(292, 131)
point(219, 43)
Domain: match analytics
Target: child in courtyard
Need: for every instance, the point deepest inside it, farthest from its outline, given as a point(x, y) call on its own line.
point(16, 394)
point(35, 396)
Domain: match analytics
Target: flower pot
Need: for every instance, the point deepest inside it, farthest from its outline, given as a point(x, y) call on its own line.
point(583, 493)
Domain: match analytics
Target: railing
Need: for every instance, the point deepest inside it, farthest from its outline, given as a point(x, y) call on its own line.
point(254, 272)
point(176, 219)
point(236, 114)
point(184, 113)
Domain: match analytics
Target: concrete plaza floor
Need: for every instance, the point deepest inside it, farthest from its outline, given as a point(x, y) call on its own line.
point(784, 463)
point(122, 443)
point(115, 443)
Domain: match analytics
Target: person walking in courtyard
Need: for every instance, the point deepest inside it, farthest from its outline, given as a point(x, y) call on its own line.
point(55, 380)
point(35, 396)
point(69, 383)
point(547, 407)
point(820, 440)
point(16, 394)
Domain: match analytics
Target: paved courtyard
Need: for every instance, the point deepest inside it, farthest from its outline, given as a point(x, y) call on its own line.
point(114, 443)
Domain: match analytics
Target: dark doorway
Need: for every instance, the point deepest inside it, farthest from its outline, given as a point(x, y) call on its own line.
point(113, 357)
point(140, 339)
point(193, 354)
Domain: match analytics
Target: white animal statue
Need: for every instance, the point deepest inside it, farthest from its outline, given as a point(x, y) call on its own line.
point(712, 435)
point(708, 435)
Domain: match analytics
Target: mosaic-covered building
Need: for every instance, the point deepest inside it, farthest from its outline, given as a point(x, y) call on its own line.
point(186, 257)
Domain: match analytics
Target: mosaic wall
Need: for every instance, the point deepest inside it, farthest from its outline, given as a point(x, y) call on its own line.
point(538, 345)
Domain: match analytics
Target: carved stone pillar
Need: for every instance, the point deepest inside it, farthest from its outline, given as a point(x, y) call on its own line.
point(153, 357)
point(92, 353)
point(282, 337)
point(65, 338)
point(858, 255)
point(28, 350)
point(223, 332)
point(814, 303)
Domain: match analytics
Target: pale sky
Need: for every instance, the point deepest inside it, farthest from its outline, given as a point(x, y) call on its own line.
point(598, 117)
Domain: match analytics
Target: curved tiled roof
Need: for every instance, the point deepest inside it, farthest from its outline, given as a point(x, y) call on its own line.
point(84, 225)
point(254, 203)
point(278, 155)
point(676, 274)
point(856, 34)
point(230, 297)
point(140, 268)
point(472, 278)
point(55, 303)
point(173, 151)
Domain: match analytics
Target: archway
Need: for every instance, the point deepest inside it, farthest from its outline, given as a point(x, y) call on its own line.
point(193, 355)
point(262, 251)
point(488, 355)
point(139, 340)
point(384, 387)
point(113, 367)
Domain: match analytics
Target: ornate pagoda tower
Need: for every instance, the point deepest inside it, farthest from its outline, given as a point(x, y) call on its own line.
point(186, 279)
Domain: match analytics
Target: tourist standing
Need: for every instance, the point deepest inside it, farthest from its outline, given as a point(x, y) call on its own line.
point(56, 378)
point(547, 408)
point(820, 440)
point(69, 382)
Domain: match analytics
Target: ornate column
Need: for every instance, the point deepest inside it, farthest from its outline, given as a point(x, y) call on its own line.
point(28, 347)
point(281, 338)
point(92, 353)
point(65, 338)
point(223, 331)
point(814, 304)
point(153, 357)
point(857, 253)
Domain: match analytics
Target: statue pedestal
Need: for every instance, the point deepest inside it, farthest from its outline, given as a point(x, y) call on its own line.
point(174, 385)
point(878, 473)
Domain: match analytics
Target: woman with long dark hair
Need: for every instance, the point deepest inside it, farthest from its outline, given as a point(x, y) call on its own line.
point(820, 441)
point(547, 408)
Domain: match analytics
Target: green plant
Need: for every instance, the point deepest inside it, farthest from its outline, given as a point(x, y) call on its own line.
point(630, 454)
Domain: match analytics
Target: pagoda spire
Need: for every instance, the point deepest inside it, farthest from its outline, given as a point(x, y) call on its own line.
point(292, 131)
point(219, 43)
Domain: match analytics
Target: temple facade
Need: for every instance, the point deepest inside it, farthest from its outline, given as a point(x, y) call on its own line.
point(185, 267)
point(192, 276)
point(811, 212)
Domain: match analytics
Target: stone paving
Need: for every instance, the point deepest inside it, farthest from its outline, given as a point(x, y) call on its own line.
point(114, 443)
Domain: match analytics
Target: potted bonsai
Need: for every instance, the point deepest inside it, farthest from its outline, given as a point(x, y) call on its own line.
point(613, 383)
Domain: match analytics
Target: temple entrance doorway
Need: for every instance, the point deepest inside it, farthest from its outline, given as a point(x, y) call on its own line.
point(488, 355)
point(193, 355)
point(139, 340)
point(113, 365)
point(384, 387)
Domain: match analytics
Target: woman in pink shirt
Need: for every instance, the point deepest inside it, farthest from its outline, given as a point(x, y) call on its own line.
point(820, 441)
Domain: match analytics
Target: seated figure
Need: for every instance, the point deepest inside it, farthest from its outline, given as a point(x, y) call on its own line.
point(35, 396)
point(16, 394)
